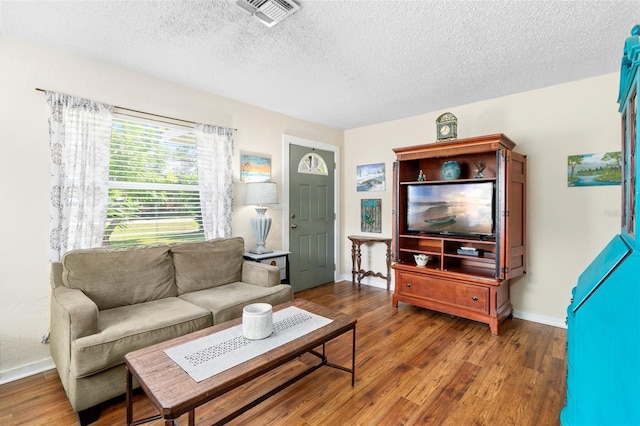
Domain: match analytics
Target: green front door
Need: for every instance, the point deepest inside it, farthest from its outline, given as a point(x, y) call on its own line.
point(311, 217)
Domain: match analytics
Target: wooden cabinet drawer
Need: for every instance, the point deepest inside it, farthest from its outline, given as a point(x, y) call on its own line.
point(444, 291)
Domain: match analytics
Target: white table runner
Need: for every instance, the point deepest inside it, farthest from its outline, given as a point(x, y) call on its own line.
point(210, 355)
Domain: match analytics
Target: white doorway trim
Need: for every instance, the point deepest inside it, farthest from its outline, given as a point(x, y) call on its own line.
point(294, 140)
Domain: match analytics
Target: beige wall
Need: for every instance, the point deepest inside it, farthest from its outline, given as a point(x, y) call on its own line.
point(24, 169)
point(566, 227)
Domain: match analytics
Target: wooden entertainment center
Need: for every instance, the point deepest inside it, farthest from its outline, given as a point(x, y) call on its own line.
point(475, 247)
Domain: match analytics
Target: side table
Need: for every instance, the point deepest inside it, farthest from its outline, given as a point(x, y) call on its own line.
point(356, 261)
point(277, 258)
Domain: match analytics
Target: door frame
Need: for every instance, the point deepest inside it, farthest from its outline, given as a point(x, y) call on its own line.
point(294, 140)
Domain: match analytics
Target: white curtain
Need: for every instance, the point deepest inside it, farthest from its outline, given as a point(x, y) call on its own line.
point(79, 131)
point(215, 178)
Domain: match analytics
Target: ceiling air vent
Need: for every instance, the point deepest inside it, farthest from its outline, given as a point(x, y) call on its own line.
point(269, 12)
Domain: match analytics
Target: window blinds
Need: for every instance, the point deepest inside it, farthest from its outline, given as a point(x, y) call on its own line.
point(153, 184)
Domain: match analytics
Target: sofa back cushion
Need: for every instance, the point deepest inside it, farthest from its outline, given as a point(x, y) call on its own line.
point(207, 264)
point(123, 276)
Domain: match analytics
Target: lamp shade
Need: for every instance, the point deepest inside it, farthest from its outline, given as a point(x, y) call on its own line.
point(259, 193)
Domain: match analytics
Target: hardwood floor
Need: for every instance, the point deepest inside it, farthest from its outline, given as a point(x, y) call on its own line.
point(413, 367)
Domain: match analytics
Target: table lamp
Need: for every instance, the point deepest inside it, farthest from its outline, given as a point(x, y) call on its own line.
point(260, 193)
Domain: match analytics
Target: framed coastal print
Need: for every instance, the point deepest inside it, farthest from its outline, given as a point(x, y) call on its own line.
point(255, 168)
point(370, 177)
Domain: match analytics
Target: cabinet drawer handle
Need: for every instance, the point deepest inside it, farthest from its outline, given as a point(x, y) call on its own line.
point(408, 284)
point(474, 298)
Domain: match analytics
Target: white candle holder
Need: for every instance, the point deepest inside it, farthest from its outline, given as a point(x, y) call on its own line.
point(257, 321)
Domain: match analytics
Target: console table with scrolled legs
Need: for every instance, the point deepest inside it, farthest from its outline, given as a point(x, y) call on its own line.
point(356, 261)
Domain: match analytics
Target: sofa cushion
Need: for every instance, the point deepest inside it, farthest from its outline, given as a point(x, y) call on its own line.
point(207, 264)
point(123, 276)
point(132, 327)
point(226, 302)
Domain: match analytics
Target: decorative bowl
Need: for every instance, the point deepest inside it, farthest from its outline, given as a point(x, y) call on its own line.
point(421, 259)
point(450, 170)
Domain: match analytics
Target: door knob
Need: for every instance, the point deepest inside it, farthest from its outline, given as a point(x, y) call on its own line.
point(294, 226)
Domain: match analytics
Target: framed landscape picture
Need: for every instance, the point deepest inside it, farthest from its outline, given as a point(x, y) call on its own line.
point(594, 169)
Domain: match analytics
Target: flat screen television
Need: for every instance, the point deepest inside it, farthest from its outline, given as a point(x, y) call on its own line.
point(458, 208)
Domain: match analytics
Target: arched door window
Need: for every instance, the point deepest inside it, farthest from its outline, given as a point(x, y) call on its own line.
point(313, 164)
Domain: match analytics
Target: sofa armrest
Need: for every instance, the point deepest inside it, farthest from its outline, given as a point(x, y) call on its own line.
point(73, 315)
point(261, 274)
point(74, 312)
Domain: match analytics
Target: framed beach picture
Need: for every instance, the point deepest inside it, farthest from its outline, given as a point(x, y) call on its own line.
point(370, 177)
point(594, 169)
point(255, 168)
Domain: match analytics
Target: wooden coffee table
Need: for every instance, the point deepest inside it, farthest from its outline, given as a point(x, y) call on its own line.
point(173, 392)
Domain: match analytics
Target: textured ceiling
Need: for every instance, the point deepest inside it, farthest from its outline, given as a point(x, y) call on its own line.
point(342, 63)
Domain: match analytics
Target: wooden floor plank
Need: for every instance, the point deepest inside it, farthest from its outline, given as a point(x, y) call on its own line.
point(413, 367)
point(400, 415)
point(448, 397)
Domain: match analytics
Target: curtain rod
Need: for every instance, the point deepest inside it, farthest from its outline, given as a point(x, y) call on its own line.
point(147, 113)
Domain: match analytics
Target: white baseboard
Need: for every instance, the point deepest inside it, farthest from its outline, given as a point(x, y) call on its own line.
point(527, 316)
point(555, 322)
point(370, 281)
point(26, 370)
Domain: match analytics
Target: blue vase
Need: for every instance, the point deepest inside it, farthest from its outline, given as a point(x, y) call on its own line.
point(450, 170)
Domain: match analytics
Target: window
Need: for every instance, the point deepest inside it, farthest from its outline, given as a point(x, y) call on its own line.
point(313, 164)
point(153, 184)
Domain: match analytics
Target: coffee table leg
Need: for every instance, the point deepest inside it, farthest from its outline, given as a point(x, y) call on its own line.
point(353, 359)
point(192, 418)
point(128, 393)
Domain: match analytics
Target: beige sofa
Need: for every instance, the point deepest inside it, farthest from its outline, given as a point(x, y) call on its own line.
point(108, 302)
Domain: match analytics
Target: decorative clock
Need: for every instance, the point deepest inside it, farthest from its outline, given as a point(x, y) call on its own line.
point(446, 127)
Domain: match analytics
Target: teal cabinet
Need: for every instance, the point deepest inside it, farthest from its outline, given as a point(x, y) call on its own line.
point(603, 355)
point(603, 318)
